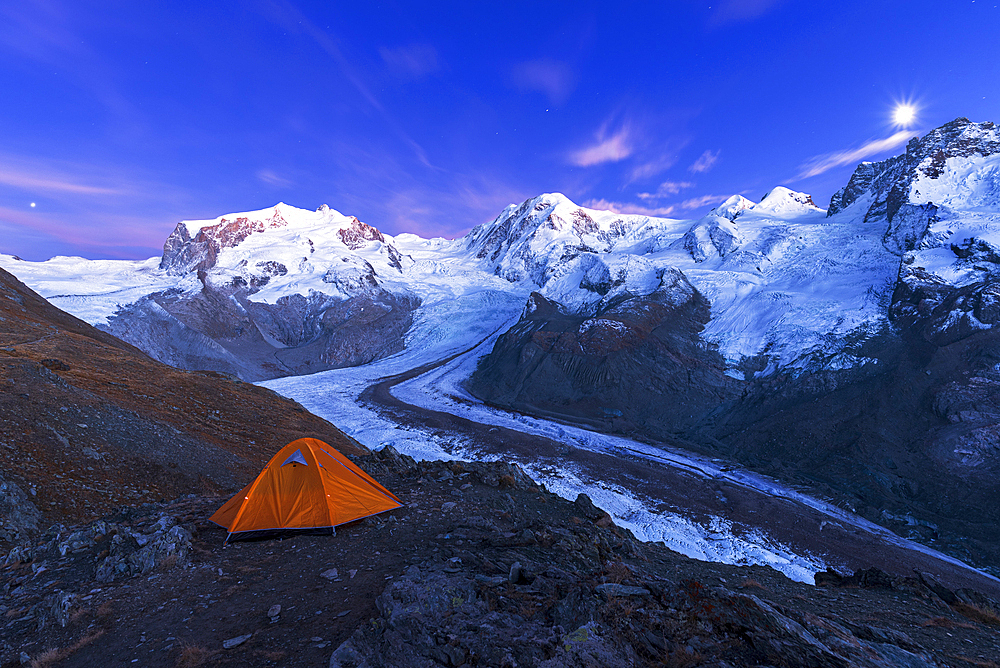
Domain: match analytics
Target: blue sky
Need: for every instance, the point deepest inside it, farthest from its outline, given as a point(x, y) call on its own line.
point(118, 119)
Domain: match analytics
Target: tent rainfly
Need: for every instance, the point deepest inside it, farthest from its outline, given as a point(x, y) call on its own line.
point(308, 485)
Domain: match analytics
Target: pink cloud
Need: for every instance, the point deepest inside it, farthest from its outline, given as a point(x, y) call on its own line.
point(615, 148)
point(98, 232)
point(704, 162)
point(49, 181)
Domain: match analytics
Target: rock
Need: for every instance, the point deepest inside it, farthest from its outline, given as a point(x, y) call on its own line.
point(20, 516)
point(828, 578)
point(587, 508)
point(352, 573)
point(345, 656)
point(942, 592)
point(273, 612)
point(447, 505)
point(236, 642)
point(496, 473)
point(395, 461)
point(515, 573)
point(133, 553)
point(330, 574)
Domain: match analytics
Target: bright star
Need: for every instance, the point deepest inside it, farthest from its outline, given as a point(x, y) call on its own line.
point(904, 114)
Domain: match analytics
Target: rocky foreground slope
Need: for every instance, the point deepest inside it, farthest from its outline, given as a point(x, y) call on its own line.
point(480, 568)
point(89, 423)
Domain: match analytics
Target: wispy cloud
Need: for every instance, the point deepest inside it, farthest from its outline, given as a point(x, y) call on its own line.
point(47, 181)
point(738, 11)
point(704, 162)
point(273, 179)
point(651, 168)
point(703, 200)
point(414, 60)
point(293, 19)
point(666, 189)
point(822, 163)
point(608, 148)
point(554, 78)
point(627, 207)
point(118, 235)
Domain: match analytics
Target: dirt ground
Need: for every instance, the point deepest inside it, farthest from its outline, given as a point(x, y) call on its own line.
point(182, 613)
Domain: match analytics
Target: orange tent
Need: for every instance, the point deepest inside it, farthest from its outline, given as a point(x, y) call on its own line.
point(307, 485)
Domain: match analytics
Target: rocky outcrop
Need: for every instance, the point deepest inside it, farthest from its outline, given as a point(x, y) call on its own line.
point(183, 253)
point(592, 366)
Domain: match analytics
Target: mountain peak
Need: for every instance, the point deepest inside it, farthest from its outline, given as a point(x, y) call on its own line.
point(196, 244)
point(732, 207)
point(783, 201)
point(885, 186)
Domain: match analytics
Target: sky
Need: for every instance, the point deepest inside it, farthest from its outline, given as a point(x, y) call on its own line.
point(119, 119)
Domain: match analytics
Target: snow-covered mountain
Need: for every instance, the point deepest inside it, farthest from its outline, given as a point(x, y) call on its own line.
point(265, 293)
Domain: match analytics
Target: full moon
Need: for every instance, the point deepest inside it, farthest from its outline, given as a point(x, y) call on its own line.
point(904, 114)
point(32, 205)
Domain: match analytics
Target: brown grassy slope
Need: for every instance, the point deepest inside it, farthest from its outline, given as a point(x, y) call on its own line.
point(90, 423)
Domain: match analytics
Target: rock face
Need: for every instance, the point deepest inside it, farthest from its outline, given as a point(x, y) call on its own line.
point(297, 335)
point(883, 189)
point(595, 366)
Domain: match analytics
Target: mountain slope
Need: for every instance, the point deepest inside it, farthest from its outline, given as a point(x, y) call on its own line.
point(90, 423)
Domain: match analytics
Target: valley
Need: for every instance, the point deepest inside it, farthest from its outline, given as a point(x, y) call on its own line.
point(773, 384)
